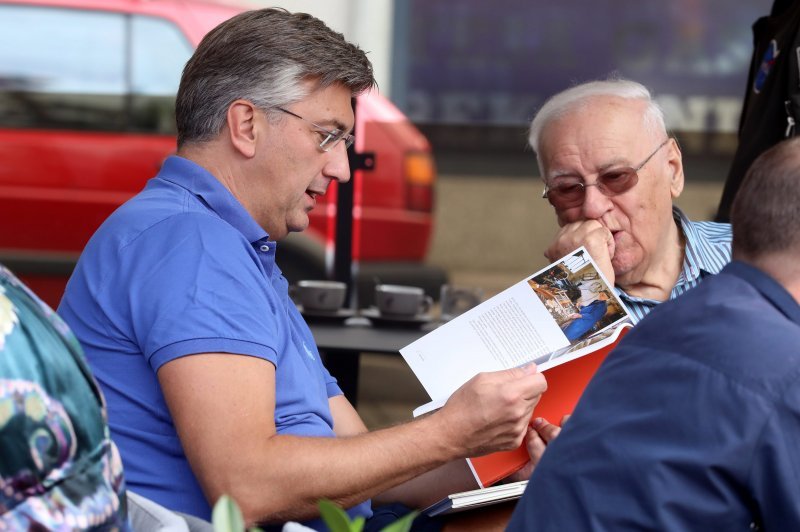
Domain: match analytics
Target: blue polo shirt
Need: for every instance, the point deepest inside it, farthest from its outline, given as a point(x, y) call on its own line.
point(181, 269)
point(692, 423)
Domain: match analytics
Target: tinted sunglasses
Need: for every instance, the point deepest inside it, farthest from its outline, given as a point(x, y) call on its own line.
point(570, 192)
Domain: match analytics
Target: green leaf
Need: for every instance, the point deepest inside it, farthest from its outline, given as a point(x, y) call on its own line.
point(401, 525)
point(357, 525)
point(336, 518)
point(226, 516)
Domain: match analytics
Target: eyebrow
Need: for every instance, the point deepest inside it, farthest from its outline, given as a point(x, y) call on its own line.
point(618, 162)
point(332, 122)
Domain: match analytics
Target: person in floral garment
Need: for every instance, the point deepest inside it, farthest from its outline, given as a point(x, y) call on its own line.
point(59, 469)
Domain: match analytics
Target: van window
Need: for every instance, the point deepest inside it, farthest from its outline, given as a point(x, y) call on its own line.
point(159, 52)
point(61, 68)
point(67, 69)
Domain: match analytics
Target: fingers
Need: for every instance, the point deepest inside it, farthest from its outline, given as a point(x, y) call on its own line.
point(611, 244)
point(536, 445)
point(492, 410)
point(591, 234)
point(545, 430)
point(600, 244)
point(540, 432)
point(525, 369)
point(527, 379)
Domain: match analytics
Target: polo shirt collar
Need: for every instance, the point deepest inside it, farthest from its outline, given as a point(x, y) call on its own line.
point(771, 289)
point(200, 182)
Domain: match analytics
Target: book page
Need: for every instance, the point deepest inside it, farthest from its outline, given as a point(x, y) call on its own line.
point(541, 318)
point(505, 331)
point(598, 341)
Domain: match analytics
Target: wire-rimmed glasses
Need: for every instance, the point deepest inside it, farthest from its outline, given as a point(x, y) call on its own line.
point(330, 137)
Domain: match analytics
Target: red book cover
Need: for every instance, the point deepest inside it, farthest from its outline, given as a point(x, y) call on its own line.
point(565, 384)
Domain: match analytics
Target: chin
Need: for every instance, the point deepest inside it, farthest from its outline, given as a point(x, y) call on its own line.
point(624, 264)
point(298, 224)
point(297, 228)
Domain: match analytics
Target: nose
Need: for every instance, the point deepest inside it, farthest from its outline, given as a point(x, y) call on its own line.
point(337, 166)
point(595, 203)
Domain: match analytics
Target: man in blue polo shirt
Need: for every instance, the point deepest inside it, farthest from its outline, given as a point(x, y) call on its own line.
point(693, 422)
point(213, 381)
point(611, 173)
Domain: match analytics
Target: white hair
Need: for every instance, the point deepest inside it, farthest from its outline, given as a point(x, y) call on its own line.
point(568, 100)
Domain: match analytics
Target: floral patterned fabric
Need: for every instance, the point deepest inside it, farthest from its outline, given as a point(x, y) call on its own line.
point(59, 469)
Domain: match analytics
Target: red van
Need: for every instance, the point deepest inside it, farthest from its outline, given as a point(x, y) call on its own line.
point(87, 91)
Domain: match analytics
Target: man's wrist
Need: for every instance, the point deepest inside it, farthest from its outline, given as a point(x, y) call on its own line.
point(446, 440)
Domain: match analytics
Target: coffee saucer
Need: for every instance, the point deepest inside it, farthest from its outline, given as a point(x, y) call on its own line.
point(378, 318)
point(340, 314)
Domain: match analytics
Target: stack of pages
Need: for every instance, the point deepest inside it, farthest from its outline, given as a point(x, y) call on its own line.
point(467, 500)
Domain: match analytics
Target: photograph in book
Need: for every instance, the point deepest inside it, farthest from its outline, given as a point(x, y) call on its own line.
point(548, 318)
point(577, 297)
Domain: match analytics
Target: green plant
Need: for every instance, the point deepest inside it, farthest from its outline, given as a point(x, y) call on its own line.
point(338, 520)
point(227, 517)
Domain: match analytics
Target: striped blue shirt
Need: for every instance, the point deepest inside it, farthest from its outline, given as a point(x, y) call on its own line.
point(708, 250)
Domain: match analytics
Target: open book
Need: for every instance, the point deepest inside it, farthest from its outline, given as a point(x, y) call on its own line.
point(566, 318)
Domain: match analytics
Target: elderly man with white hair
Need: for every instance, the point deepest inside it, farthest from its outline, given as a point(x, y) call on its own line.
point(611, 172)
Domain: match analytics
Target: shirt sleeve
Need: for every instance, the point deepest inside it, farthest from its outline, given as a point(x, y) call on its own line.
point(331, 384)
point(196, 286)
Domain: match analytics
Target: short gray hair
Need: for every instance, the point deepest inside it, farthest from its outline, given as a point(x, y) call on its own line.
point(767, 206)
point(263, 56)
point(572, 98)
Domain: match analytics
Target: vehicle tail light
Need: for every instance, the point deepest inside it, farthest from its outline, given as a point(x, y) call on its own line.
point(420, 176)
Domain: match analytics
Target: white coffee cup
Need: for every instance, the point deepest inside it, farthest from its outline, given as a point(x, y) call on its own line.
point(320, 295)
point(400, 300)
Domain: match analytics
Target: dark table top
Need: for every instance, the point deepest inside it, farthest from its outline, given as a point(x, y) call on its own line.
point(359, 334)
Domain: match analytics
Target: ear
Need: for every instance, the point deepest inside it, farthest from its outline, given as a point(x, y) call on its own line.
point(242, 131)
point(675, 162)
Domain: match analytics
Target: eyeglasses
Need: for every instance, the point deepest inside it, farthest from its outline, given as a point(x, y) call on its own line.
point(571, 191)
point(330, 138)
